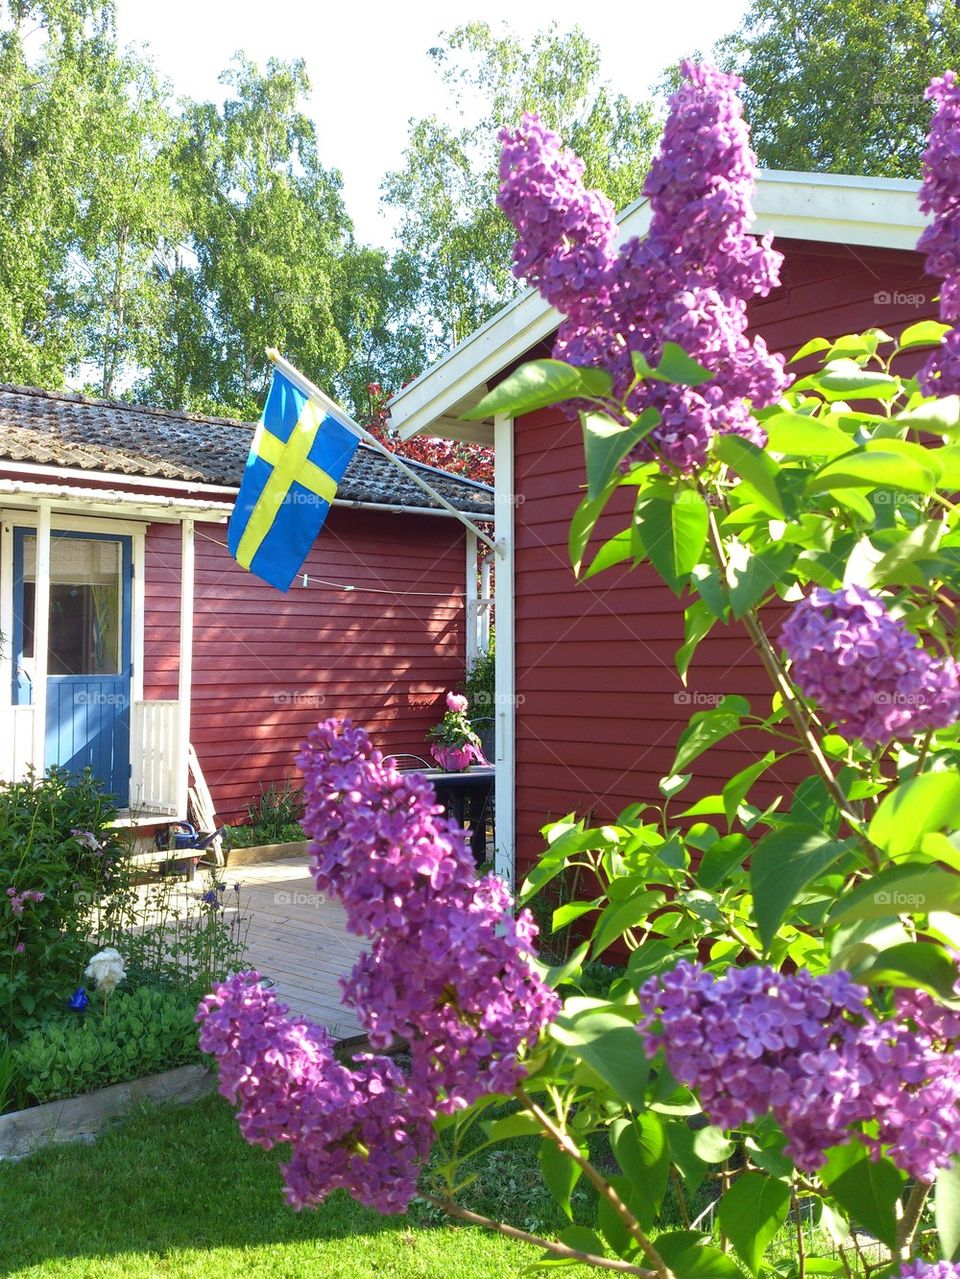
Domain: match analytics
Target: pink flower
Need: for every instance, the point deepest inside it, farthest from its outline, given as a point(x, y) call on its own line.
point(457, 703)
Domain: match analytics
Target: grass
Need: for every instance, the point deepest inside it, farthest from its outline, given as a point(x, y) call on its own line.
point(178, 1193)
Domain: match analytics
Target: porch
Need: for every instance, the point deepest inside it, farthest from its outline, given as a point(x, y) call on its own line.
point(297, 937)
point(72, 606)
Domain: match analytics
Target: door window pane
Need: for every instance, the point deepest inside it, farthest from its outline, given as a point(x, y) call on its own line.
point(85, 604)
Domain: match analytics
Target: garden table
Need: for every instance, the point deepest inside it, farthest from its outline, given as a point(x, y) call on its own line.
point(466, 797)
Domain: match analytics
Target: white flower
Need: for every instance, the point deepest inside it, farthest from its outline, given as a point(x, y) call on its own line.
point(106, 970)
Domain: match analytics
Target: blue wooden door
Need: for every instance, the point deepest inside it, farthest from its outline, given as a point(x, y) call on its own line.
point(88, 663)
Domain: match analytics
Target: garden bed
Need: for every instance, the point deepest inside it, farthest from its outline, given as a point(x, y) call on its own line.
point(81, 1118)
point(266, 852)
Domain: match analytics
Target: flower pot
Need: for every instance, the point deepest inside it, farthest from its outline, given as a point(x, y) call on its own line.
point(454, 759)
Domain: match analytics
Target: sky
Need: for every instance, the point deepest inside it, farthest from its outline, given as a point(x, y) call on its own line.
point(369, 67)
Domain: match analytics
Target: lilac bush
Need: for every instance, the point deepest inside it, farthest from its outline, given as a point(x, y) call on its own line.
point(790, 968)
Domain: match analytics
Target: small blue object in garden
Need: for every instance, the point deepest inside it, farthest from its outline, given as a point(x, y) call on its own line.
point(78, 1000)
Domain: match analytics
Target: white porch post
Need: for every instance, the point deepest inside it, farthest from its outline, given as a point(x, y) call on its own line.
point(505, 672)
point(184, 690)
point(41, 638)
point(473, 615)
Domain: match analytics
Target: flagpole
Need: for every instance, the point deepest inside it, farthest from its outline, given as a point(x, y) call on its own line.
point(314, 393)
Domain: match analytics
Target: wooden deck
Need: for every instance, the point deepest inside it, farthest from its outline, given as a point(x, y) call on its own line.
point(298, 937)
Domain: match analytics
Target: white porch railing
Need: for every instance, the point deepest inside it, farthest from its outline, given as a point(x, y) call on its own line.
point(16, 741)
point(154, 751)
point(155, 766)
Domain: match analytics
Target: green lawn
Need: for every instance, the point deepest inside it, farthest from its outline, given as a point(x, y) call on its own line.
point(177, 1192)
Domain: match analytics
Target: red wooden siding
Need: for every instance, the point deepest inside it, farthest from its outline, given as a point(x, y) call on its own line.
point(599, 703)
point(267, 666)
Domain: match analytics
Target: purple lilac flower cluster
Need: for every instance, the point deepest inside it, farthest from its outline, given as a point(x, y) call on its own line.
point(940, 241)
point(687, 281)
point(18, 901)
point(865, 670)
point(449, 965)
point(930, 1270)
point(347, 1128)
point(807, 1050)
point(449, 970)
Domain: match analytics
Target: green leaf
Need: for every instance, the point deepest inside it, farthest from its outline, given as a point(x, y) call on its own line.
point(570, 911)
point(813, 347)
point(583, 1239)
point(924, 333)
point(751, 1213)
point(751, 575)
point(712, 1146)
point(783, 864)
point(917, 964)
point(692, 1170)
point(640, 1148)
point(868, 1189)
point(756, 468)
point(560, 1173)
point(926, 803)
point(619, 916)
point(705, 729)
point(519, 1125)
point(673, 534)
point(846, 380)
point(735, 791)
point(608, 1045)
point(946, 1210)
point(698, 621)
point(584, 521)
point(868, 470)
point(795, 435)
point(613, 552)
point(939, 417)
point(903, 890)
point(675, 366)
point(606, 443)
point(688, 1259)
point(722, 857)
point(918, 543)
point(536, 385)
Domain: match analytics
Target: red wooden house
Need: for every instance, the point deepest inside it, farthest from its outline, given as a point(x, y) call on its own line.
point(129, 632)
point(590, 704)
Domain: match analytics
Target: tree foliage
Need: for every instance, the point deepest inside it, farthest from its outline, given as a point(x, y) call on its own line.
point(836, 85)
point(445, 193)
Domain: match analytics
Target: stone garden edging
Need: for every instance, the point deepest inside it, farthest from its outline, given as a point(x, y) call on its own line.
point(81, 1118)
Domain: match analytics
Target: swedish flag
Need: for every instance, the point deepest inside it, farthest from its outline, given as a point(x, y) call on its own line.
point(298, 456)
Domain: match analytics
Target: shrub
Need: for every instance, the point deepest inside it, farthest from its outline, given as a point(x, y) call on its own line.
point(275, 810)
point(142, 1031)
point(57, 856)
point(175, 935)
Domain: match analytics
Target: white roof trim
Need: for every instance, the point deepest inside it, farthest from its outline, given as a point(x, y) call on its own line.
point(829, 207)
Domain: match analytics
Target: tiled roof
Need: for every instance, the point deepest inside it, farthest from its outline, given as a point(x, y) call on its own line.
point(60, 429)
